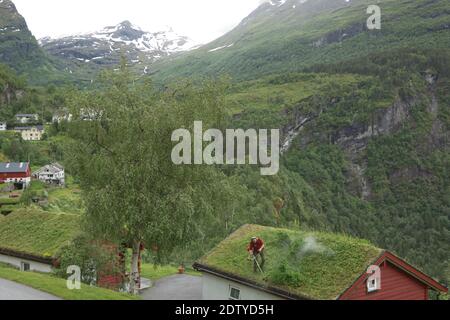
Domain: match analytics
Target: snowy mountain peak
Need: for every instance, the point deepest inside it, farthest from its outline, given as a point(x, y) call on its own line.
point(106, 45)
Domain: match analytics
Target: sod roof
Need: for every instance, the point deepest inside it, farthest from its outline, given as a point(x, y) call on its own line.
point(38, 233)
point(310, 265)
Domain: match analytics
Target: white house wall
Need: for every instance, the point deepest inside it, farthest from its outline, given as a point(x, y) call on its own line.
point(34, 266)
point(27, 181)
point(216, 288)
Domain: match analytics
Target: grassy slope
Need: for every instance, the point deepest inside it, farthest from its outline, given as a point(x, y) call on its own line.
point(313, 264)
point(65, 200)
point(57, 286)
point(267, 102)
point(33, 231)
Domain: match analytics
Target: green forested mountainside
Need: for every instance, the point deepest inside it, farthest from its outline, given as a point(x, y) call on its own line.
point(291, 36)
point(372, 161)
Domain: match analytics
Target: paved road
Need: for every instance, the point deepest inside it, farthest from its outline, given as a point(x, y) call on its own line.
point(13, 291)
point(177, 287)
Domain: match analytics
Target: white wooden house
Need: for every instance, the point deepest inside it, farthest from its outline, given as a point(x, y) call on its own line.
point(26, 118)
point(51, 174)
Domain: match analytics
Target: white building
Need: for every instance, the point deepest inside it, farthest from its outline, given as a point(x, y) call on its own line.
point(26, 118)
point(61, 117)
point(26, 262)
point(51, 173)
point(218, 287)
point(31, 133)
point(3, 126)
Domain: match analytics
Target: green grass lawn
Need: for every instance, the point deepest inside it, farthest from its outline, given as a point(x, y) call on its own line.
point(57, 286)
point(9, 201)
point(65, 200)
point(153, 272)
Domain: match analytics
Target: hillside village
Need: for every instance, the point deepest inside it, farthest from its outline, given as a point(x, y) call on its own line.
point(359, 207)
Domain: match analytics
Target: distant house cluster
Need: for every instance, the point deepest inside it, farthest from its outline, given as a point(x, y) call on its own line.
point(19, 173)
point(28, 129)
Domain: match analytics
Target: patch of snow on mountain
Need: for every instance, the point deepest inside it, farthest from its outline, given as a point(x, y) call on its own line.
point(222, 47)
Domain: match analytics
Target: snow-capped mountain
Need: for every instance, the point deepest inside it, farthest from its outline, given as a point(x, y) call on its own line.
point(104, 47)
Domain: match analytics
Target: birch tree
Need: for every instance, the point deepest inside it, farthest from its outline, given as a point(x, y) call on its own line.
point(121, 154)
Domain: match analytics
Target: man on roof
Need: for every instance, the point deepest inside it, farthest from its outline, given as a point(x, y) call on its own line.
point(256, 249)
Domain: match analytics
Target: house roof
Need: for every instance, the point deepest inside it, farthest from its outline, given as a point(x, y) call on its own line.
point(13, 167)
point(36, 234)
point(26, 115)
point(51, 168)
point(39, 127)
point(299, 264)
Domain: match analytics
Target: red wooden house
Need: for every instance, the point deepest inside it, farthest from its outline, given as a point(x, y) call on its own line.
point(18, 173)
point(398, 281)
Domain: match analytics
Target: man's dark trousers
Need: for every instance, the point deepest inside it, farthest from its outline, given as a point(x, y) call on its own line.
point(263, 261)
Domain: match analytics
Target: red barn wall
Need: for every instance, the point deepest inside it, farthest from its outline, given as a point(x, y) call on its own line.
point(15, 175)
point(5, 176)
point(395, 285)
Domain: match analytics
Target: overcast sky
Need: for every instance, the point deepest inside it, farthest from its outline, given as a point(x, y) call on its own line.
point(201, 20)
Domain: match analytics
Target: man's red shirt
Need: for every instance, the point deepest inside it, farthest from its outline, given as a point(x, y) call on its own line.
point(256, 246)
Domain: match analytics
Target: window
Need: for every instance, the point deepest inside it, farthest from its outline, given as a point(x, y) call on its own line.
point(372, 285)
point(235, 294)
point(24, 266)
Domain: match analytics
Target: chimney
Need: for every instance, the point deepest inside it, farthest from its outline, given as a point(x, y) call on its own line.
point(7, 165)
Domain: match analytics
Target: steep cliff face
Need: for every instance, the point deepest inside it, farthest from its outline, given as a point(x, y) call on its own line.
point(11, 87)
point(9, 94)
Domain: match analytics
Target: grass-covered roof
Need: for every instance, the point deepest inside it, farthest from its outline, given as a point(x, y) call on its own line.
point(313, 265)
point(36, 232)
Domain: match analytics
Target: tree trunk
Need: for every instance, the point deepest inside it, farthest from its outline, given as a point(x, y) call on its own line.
point(135, 276)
